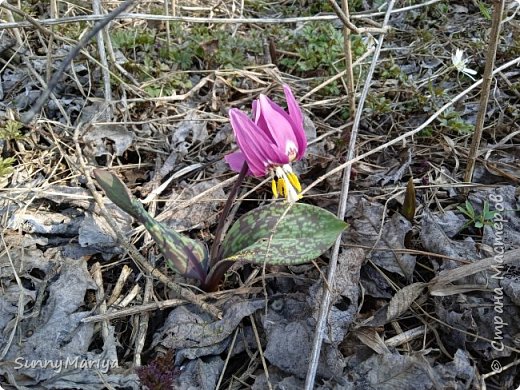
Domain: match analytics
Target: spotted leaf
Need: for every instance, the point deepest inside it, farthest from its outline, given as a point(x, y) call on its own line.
point(282, 234)
point(116, 190)
point(186, 256)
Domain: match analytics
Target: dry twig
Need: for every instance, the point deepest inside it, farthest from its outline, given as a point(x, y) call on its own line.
point(327, 293)
point(498, 11)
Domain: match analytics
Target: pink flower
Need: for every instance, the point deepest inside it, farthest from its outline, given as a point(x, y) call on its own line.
point(270, 142)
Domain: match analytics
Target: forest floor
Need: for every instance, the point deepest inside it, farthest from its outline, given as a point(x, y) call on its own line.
point(426, 293)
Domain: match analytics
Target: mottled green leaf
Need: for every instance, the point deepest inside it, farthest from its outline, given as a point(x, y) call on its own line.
point(186, 256)
point(116, 190)
point(282, 234)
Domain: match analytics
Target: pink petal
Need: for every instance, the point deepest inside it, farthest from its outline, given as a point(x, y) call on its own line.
point(258, 150)
point(294, 109)
point(295, 113)
point(236, 160)
point(253, 109)
point(278, 122)
point(259, 120)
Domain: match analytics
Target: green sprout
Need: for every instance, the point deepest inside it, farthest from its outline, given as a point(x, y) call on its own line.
point(11, 131)
point(452, 120)
point(474, 218)
point(6, 166)
point(484, 9)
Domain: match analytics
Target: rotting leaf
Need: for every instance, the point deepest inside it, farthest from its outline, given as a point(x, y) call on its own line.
point(187, 328)
point(60, 320)
point(288, 337)
point(95, 232)
point(200, 373)
point(345, 295)
point(434, 239)
point(120, 136)
point(390, 371)
point(403, 299)
point(199, 214)
point(387, 241)
point(282, 234)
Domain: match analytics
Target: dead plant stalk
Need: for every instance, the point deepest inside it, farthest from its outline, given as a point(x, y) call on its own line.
point(348, 62)
point(327, 293)
point(498, 11)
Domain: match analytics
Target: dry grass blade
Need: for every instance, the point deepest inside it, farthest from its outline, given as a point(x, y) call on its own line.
point(349, 68)
point(372, 339)
point(325, 302)
point(101, 302)
point(406, 337)
point(118, 288)
point(137, 309)
point(98, 10)
point(452, 275)
point(498, 11)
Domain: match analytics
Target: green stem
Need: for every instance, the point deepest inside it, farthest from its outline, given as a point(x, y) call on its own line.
point(215, 252)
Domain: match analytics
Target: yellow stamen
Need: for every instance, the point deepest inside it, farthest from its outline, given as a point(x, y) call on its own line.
point(294, 181)
point(281, 187)
point(273, 187)
point(287, 183)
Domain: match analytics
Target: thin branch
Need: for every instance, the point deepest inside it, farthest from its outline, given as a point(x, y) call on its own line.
point(498, 11)
point(187, 19)
point(349, 68)
point(327, 293)
point(98, 10)
point(87, 18)
point(342, 15)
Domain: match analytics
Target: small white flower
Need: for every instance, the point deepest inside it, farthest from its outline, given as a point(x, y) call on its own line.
point(460, 64)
